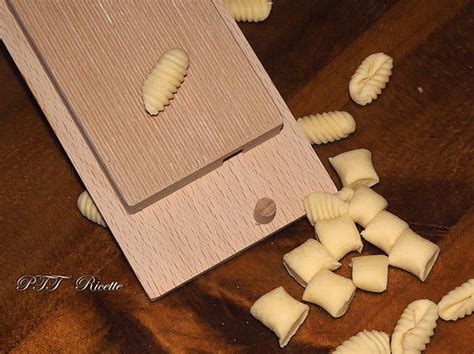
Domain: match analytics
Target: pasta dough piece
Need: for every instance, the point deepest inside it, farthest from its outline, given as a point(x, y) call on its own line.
point(249, 10)
point(384, 230)
point(339, 235)
point(365, 205)
point(307, 259)
point(458, 302)
point(355, 168)
point(88, 209)
point(281, 313)
point(415, 327)
point(370, 273)
point(365, 342)
point(164, 80)
point(332, 292)
point(345, 194)
point(370, 78)
point(327, 127)
point(322, 205)
point(414, 254)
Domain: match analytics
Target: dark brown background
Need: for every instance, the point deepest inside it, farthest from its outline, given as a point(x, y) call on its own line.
point(420, 131)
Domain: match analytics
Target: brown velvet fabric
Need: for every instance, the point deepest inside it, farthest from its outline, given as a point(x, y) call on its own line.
point(420, 131)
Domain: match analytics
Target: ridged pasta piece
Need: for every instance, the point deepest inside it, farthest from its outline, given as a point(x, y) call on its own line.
point(365, 342)
point(164, 80)
point(345, 194)
point(249, 10)
point(458, 302)
point(327, 127)
point(88, 209)
point(370, 78)
point(415, 327)
point(322, 205)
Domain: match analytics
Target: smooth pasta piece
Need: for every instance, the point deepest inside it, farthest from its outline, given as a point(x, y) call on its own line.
point(249, 10)
point(414, 254)
point(365, 205)
point(164, 80)
point(306, 260)
point(339, 235)
point(370, 78)
point(355, 168)
point(365, 342)
point(458, 302)
point(370, 273)
point(88, 209)
point(281, 313)
point(332, 292)
point(415, 327)
point(322, 205)
point(384, 230)
point(345, 194)
point(327, 127)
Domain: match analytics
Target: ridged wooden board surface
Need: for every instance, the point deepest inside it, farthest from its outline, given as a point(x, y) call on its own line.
point(422, 148)
point(205, 222)
point(222, 107)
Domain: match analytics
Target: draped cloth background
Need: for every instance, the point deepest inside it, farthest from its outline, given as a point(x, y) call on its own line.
point(420, 131)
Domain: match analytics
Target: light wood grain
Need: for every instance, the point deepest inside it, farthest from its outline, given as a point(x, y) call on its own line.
point(222, 107)
point(206, 221)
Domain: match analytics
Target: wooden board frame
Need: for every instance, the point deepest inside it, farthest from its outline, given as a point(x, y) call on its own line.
point(147, 158)
point(205, 222)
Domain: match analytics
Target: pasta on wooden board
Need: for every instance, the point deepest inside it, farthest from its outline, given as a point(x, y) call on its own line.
point(249, 10)
point(355, 168)
point(339, 235)
point(365, 205)
point(370, 78)
point(458, 303)
point(383, 230)
point(323, 205)
point(88, 209)
point(345, 194)
point(164, 80)
point(414, 254)
point(332, 292)
point(322, 128)
point(303, 262)
point(365, 342)
point(415, 327)
point(370, 273)
point(281, 313)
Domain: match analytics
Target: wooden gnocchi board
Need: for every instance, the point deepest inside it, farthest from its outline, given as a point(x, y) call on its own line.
point(174, 202)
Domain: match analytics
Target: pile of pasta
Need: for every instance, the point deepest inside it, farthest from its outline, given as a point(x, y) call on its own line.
point(334, 217)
